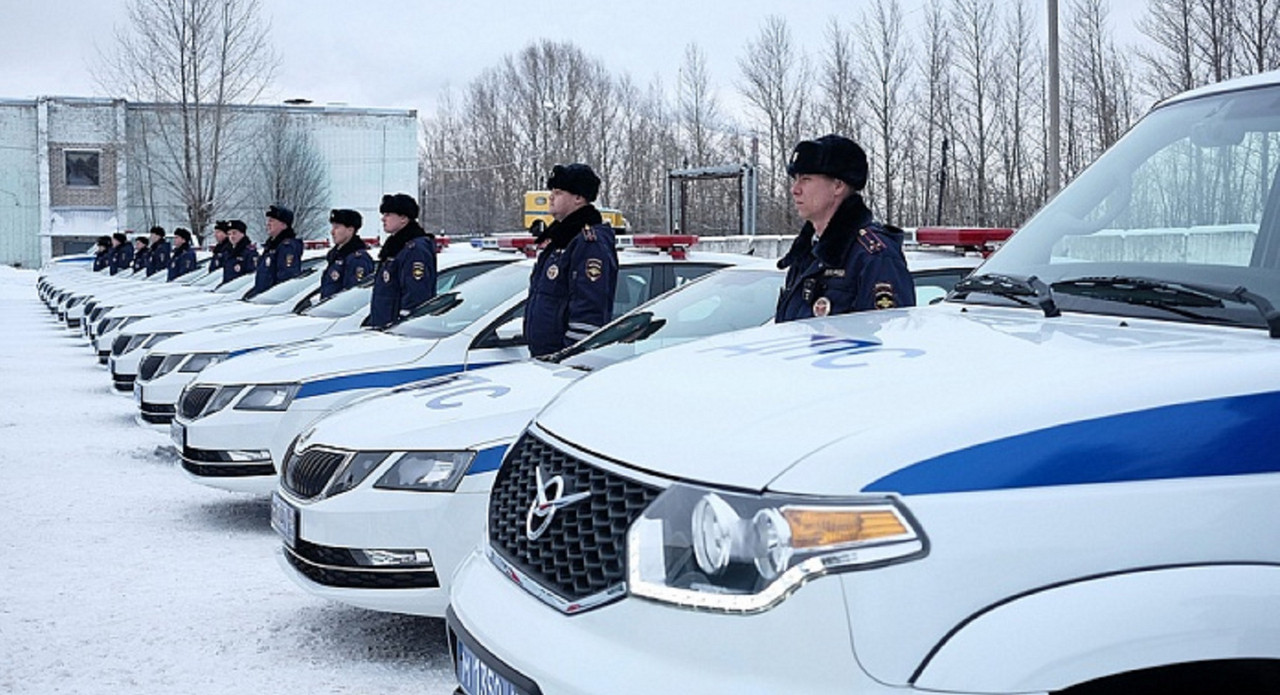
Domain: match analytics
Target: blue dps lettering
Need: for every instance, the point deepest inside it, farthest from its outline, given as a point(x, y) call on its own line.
point(826, 352)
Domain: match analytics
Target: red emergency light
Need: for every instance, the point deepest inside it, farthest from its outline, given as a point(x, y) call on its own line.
point(675, 244)
point(526, 244)
point(442, 243)
point(984, 240)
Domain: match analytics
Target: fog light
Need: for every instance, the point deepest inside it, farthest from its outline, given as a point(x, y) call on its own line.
point(244, 455)
point(397, 558)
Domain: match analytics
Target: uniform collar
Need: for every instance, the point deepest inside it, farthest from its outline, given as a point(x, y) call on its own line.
point(562, 232)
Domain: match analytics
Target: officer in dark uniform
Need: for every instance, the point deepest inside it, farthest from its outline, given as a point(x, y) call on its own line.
point(406, 272)
point(102, 257)
point(281, 254)
point(121, 253)
point(349, 261)
point(158, 256)
point(575, 278)
point(184, 257)
point(842, 260)
point(242, 258)
point(221, 247)
point(140, 255)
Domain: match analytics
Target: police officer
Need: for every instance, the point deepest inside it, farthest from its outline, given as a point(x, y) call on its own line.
point(406, 272)
point(574, 280)
point(158, 256)
point(842, 260)
point(281, 254)
point(349, 261)
point(121, 253)
point(184, 257)
point(140, 255)
point(221, 247)
point(102, 257)
point(241, 256)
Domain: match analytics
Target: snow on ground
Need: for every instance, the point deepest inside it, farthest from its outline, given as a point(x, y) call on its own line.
point(118, 575)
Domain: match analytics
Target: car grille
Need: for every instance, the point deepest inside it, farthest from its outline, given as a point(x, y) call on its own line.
point(336, 567)
point(583, 551)
point(121, 342)
point(150, 365)
point(223, 470)
point(156, 413)
point(194, 400)
point(306, 475)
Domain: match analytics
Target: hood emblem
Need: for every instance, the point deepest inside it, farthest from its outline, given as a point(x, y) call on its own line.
point(549, 499)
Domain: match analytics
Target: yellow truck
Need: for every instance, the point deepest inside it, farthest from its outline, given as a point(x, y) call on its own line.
point(537, 207)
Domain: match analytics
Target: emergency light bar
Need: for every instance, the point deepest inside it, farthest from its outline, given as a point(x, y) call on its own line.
point(675, 244)
point(983, 240)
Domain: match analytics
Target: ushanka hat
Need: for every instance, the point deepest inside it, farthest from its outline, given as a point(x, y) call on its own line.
point(831, 155)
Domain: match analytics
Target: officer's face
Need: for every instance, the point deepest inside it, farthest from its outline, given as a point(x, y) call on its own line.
point(219, 236)
point(341, 233)
point(562, 203)
point(816, 196)
point(178, 242)
point(275, 226)
point(392, 223)
point(235, 236)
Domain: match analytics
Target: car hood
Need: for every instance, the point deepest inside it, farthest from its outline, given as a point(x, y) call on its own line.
point(168, 304)
point(249, 334)
point(197, 317)
point(845, 405)
point(312, 360)
point(459, 411)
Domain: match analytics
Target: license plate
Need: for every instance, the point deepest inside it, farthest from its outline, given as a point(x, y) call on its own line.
point(178, 434)
point(479, 678)
point(284, 519)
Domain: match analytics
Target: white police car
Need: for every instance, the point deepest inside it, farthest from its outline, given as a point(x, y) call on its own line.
point(235, 421)
point(167, 369)
point(1091, 508)
point(341, 520)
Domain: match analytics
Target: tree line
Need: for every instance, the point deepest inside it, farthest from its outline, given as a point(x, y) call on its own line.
point(950, 107)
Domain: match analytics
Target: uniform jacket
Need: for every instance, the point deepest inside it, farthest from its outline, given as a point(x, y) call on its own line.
point(101, 260)
point(140, 257)
point(242, 258)
point(856, 265)
point(573, 283)
point(281, 260)
point(348, 265)
point(121, 257)
point(221, 251)
point(406, 275)
point(182, 262)
point(158, 257)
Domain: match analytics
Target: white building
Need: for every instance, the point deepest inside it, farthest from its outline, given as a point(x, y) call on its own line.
point(73, 169)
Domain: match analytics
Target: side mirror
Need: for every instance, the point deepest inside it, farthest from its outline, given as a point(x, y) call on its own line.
point(510, 334)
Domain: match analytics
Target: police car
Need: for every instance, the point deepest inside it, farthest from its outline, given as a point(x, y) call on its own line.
point(1091, 509)
point(236, 420)
point(165, 370)
point(338, 521)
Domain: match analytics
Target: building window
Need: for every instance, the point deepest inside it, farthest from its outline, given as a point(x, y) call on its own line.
point(82, 168)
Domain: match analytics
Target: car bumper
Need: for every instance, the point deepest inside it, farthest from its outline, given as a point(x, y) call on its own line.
point(209, 442)
point(158, 399)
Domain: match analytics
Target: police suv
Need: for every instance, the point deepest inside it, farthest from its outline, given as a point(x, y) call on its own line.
point(236, 419)
point(1090, 510)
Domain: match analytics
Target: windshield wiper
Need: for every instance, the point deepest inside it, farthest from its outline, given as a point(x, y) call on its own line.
point(1010, 287)
point(1170, 295)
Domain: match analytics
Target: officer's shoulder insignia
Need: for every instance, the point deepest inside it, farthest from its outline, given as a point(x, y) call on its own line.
point(883, 294)
point(833, 273)
point(419, 270)
point(588, 233)
point(553, 271)
point(870, 241)
point(595, 269)
point(822, 307)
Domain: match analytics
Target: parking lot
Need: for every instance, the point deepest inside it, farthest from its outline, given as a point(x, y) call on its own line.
point(118, 575)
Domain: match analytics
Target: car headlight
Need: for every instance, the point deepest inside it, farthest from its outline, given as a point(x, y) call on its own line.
point(222, 397)
point(427, 471)
point(146, 340)
point(357, 468)
point(268, 397)
point(201, 360)
point(167, 364)
point(744, 553)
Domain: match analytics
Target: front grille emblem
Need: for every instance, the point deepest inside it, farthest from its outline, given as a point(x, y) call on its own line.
point(549, 499)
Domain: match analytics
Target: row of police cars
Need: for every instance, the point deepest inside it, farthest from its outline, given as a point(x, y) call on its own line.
point(1058, 474)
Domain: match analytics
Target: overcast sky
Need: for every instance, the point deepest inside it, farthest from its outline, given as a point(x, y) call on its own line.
point(404, 53)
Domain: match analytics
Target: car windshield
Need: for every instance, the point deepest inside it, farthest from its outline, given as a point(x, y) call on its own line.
point(236, 285)
point(723, 301)
point(285, 290)
point(344, 303)
point(450, 312)
point(1178, 215)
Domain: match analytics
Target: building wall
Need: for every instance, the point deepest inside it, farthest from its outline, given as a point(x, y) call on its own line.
point(19, 184)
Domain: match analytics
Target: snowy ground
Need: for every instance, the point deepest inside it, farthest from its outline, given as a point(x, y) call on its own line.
point(118, 575)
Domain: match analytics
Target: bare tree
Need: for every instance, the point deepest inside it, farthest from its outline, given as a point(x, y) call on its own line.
point(199, 56)
point(1021, 91)
point(975, 26)
point(1257, 24)
point(884, 58)
point(697, 110)
point(839, 86)
point(294, 174)
point(933, 113)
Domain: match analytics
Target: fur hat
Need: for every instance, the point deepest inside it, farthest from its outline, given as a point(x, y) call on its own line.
point(237, 225)
point(158, 231)
point(577, 179)
point(222, 226)
point(831, 155)
point(181, 232)
point(104, 240)
point(281, 213)
point(120, 237)
point(141, 240)
point(399, 204)
point(346, 218)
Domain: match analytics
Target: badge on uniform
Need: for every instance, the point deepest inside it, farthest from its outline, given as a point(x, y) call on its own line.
point(884, 298)
point(359, 273)
point(595, 269)
point(236, 268)
point(822, 307)
point(386, 276)
point(553, 271)
point(335, 275)
point(268, 260)
point(870, 241)
point(419, 270)
point(833, 273)
point(588, 233)
point(288, 260)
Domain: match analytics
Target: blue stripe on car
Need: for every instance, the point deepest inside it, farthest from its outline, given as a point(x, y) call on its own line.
point(487, 460)
point(1226, 436)
point(380, 380)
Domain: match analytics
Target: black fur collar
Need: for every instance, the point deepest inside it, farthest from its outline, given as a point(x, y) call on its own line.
point(833, 246)
point(396, 242)
point(274, 241)
point(562, 232)
point(354, 244)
